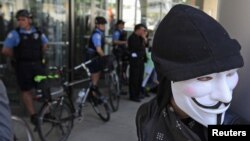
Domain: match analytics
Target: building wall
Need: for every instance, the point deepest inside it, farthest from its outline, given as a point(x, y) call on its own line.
point(234, 16)
point(210, 7)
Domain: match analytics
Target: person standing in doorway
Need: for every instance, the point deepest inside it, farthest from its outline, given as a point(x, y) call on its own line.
point(136, 47)
point(26, 45)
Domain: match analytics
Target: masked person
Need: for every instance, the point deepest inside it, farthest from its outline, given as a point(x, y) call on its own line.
point(196, 63)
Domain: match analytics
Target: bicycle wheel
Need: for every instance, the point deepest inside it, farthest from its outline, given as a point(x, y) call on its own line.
point(114, 91)
point(100, 106)
point(55, 121)
point(21, 129)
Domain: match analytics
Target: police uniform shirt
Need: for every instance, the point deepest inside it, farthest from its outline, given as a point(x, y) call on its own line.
point(96, 39)
point(116, 35)
point(13, 38)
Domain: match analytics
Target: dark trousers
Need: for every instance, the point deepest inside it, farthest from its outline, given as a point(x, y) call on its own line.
point(136, 72)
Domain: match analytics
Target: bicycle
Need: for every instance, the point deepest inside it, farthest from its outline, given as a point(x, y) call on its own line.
point(59, 111)
point(112, 79)
point(21, 129)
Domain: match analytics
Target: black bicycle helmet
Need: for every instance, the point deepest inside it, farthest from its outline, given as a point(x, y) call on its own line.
point(100, 20)
point(23, 13)
point(120, 22)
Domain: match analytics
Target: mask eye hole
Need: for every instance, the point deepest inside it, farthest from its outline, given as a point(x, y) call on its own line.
point(205, 78)
point(231, 74)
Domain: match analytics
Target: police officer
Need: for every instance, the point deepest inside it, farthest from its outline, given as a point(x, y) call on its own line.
point(26, 45)
point(119, 39)
point(95, 49)
point(136, 47)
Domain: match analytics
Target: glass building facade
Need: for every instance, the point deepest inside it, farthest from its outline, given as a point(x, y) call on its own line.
point(69, 23)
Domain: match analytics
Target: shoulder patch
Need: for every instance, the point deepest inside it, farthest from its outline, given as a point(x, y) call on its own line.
point(98, 36)
point(10, 35)
point(36, 36)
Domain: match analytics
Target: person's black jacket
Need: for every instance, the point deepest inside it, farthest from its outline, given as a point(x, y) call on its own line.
point(154, 124)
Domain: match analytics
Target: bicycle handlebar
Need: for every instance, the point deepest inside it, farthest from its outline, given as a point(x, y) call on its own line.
point(83, 65)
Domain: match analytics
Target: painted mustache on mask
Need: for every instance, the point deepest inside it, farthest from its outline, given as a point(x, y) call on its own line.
point(216, 106)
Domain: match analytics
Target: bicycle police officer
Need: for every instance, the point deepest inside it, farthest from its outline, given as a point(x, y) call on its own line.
point(95, 49)
point(26, 45)
point(119, 39)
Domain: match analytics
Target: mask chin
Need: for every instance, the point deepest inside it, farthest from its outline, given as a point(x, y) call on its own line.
point(205, 115)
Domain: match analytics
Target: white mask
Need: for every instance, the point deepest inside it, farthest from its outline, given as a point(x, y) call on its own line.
point(206, 98)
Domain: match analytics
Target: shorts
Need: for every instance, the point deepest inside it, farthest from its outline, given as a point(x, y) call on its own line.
point(96, 65)
point(25, 73)
point(121, 53)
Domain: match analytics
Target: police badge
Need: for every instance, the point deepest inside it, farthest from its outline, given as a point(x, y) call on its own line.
point(36, 35)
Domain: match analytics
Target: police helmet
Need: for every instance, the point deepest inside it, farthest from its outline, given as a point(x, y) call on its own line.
point(100, 20)
point(120, 22)
point(23, 13)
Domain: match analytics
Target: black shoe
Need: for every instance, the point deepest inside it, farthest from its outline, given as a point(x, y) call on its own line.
point(98, 100)
point(34, 119)
point(135, 99)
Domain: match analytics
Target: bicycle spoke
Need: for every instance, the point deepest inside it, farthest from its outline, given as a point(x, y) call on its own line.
point(58, 126)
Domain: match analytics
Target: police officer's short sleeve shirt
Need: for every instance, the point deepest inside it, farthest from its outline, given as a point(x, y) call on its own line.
point(97, 38)
point(116, 35)
point(13, 39)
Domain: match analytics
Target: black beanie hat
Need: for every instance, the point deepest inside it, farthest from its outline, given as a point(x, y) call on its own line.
point(188, 43)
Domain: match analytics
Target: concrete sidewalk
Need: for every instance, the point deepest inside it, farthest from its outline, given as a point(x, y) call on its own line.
point(121, 126)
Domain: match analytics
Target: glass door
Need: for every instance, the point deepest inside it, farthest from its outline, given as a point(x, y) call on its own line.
point(51, 17)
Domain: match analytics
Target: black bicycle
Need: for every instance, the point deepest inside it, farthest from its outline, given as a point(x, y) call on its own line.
point(112, 80)
point(58, 112)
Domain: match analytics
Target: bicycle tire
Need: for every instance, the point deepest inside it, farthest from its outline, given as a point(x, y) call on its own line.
point(114, 91)
point(21, 129)
point(58, 125)
point(101, 107)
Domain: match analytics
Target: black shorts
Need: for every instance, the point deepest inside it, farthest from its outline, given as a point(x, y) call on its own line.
point(25, 73)
point(121, 53)
point(96, 65)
